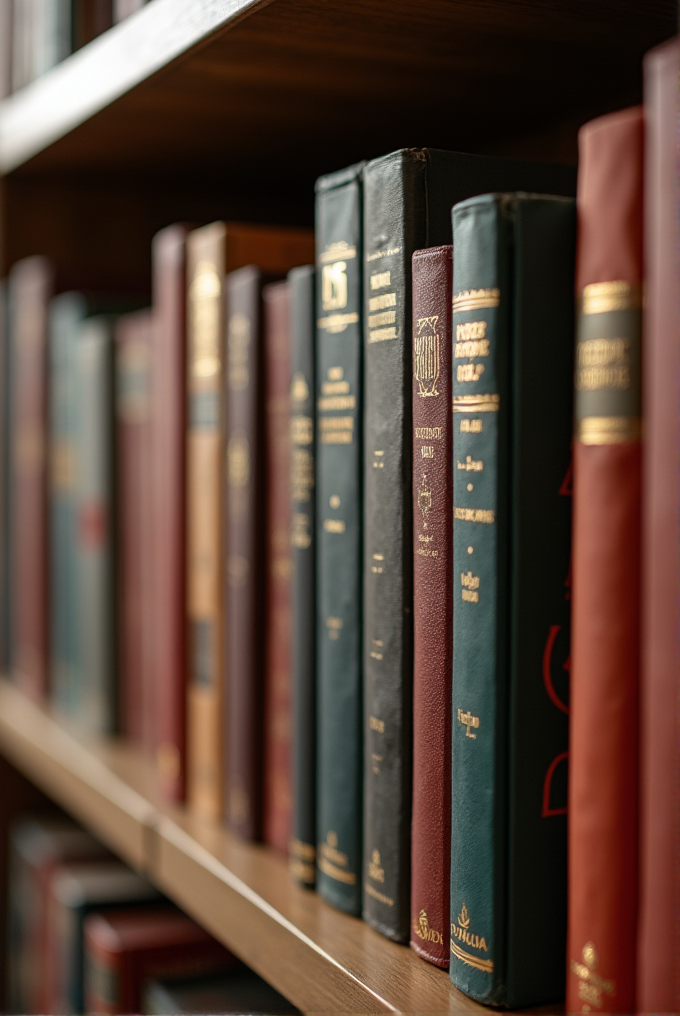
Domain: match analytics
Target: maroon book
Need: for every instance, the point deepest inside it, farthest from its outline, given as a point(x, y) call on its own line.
point(658, 969)
point(277, 674)
point(31, 283)
point(432, 604)
point(168, 437)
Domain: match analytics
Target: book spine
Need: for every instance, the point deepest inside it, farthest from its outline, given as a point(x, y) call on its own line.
point(244, 588)
point(606, 579)
point(394, 218)
point(31, 285)
point(339, 351)
point(432, 603)
point(205, 339)
point(96, 694)
point(277, 675)
point(303, 551)
point(481, 314)
point(6, 419)
point(168, 497)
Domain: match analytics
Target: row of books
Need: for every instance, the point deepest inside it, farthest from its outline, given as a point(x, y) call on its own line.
point(36, 35)
point(87, 934)
point(344, 609)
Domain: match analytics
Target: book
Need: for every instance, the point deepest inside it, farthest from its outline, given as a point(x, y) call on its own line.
point(238, 991)
point(96, 698)
point(31, 283)
point(432, 603)
point(408, 195)
point(277, 803)
point(339, 534)
point(136, 523)
point(6, 421)
point(658, 962)
point(604, 716)
point(124, 948)
point(303, 595)
point(169, 535)
point(513, 278)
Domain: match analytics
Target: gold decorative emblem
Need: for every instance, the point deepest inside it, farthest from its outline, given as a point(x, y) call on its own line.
point(334, 286)
point(461, 936)
point(464, 917)
point(427, 356)
point(422, 929)
point(204, 296)
point(591, 985)
point(299, 389)
point(424, 499)
point(375, 871)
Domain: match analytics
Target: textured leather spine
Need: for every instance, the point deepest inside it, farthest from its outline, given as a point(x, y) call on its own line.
point(277, 689)
point(605, 643)
point(303, 551)
point(659, 922)
point(339, 347)
point(432, 603)
point(169, 465)
point(30, 286)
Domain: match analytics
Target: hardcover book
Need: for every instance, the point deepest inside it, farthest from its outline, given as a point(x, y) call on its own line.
point(603, 812)
point(407, 200)
point(339, 531)
point(432, 603)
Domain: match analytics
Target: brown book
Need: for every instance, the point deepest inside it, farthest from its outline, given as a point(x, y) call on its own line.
point(168, 536)
point(603, 744)
point(135, 524)
point(277, 688)
point(31, 282)
point(658, 968)
point(432, 603)
point(212, 251)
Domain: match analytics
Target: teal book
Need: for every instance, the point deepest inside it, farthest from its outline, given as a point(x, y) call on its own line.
point(513, 326)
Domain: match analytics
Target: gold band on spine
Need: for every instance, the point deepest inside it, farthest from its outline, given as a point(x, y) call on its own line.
point(599, 430)
point(476, 299)
point(476, 403)
point(472, 961)
point(603, 297)
point(338, 874)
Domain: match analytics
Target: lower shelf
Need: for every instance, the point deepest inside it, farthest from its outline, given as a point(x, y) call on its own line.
point(319, 958)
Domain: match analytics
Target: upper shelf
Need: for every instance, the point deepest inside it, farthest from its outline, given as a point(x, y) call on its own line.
point(270, 89)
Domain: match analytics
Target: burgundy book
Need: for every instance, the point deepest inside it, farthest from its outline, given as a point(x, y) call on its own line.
point(168, 439)
point(432, 603)
point(658, 969)
point(134, 489)
point(277, 673)
point(31, 283)
point(603, 746)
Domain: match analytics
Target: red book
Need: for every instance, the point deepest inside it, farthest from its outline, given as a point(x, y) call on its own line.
point(277, 690)
point(133, 351)
point(432, 604)
point(658, 967)
point(31, 283)
point(168, 619)
point(603, 751)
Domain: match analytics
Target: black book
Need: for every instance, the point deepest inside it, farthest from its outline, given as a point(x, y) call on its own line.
point(408, 197)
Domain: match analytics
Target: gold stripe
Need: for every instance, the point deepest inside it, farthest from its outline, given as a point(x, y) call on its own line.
point(337, 873)
point(476, 299)
point(380, 897)
point(472, 961)
point(305, 851)
point(602, 297)
point(476, 403)
point(337, 252)
point(600, 430)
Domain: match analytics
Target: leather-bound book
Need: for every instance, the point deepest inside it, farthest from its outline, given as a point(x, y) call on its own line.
point(96, 699)
point(169, 538)
point(277, 674)
point(212, 252)
point(603, 749)
point(303, 551)
point(658, 969)
point(432, 603)
point(135, 522)
point(407, 200)
point(339, 448)
point(30, 284)
point(124, 948)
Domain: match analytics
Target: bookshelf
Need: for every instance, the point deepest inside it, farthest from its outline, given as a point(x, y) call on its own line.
point(231, 109)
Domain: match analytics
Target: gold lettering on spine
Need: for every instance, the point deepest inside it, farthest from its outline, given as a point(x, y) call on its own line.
point(421, 928)
point(461, 933)
point(591, 985)
point(333, 862)
point(204, 299)
point(427, 356)
point(470, 722)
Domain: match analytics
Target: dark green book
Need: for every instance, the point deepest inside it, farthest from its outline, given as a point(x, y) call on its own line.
point(513, 320)
point(408, 198)
point(303, 552)
point(339, 536)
